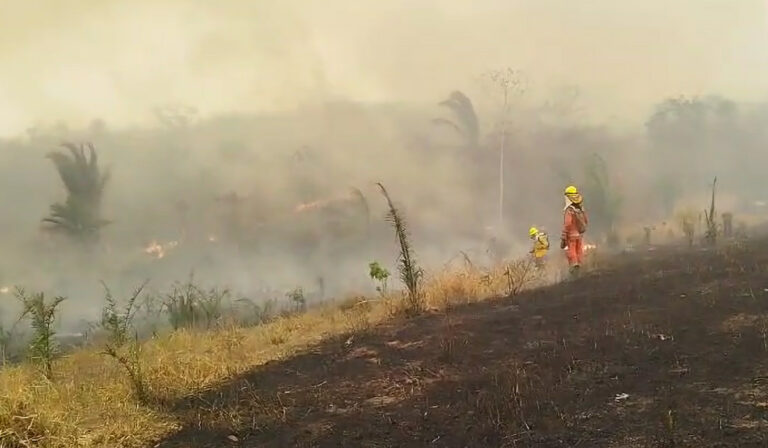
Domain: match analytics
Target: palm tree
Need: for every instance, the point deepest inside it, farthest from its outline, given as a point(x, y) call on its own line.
point(465, 120)
point(80, 216)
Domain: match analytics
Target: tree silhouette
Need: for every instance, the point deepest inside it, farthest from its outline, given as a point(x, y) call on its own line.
point(688, 134)
point(80, 216)
point(464, 120)
point(603, 202)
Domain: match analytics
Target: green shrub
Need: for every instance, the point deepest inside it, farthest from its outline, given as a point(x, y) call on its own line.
point(379, 274)
point(42, 316)
point(190, 306)
point(122, 340)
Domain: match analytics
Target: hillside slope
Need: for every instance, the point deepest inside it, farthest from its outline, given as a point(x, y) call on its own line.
point(667, 348)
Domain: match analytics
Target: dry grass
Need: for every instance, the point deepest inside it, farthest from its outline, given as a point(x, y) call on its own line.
point(458, 286)
point(90, 403)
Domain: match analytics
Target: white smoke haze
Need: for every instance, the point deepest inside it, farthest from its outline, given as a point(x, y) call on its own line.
point(285, 102)
point(80, 60)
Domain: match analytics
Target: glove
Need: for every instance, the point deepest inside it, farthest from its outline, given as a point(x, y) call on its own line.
point(563, 244)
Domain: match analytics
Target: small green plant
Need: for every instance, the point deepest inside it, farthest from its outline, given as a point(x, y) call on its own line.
point(118, 322)
point(410, 273)
point(42, 317)
point(299, 301)
point(380, 275)
point(121, 345)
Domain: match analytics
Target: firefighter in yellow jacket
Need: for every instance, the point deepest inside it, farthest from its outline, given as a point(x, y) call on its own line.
point(540, 246)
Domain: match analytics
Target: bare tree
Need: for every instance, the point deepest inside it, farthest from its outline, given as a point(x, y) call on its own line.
point(507, 83)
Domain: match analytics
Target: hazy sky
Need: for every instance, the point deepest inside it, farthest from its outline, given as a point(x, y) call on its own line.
point(76, 60)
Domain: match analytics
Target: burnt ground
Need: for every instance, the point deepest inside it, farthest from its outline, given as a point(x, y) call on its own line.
point(665, 348)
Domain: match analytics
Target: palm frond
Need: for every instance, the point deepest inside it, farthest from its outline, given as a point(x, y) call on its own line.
point(449, 123)
point(84, 183)
point(461, 107)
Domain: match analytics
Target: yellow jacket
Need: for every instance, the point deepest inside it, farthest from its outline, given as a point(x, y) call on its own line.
point(540, 245)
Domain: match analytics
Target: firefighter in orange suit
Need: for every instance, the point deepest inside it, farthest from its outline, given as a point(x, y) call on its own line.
point(574, 225)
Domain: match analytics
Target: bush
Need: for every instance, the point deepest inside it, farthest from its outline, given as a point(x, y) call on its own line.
point(117, 323)
point(121, 345)
point(190, 306)
point(256, 314)
point(42, 316)
point(299, 301)
point(380, 275)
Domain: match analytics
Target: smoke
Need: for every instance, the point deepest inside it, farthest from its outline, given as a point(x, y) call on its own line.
point(117, 60)
point(290, 102)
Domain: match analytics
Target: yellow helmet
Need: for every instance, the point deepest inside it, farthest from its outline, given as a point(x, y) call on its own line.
point(533, 231)
point(573, 195)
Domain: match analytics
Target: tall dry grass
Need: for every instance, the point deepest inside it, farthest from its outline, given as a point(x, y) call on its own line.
point(91, 402)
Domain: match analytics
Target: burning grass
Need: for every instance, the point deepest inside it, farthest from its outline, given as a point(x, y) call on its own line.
point(91, 402)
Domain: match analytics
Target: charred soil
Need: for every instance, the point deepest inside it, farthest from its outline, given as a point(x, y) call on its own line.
point(665, 348)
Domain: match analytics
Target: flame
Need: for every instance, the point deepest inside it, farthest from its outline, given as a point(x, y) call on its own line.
point(5, 290)
point(309, 206)
point(212, 238)
point(158, 250)
point(321, 203)
point(589, 247)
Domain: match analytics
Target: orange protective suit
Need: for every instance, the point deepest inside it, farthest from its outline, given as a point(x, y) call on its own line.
point(574, 224)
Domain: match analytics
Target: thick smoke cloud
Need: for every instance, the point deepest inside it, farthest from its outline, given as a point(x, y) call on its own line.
point(80, 60)
point(290, 102)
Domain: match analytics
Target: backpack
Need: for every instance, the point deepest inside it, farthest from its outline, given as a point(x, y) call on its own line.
point(544, 240)
point(579, 219)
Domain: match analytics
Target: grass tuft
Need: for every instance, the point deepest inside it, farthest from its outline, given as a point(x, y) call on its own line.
point(190, 306)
